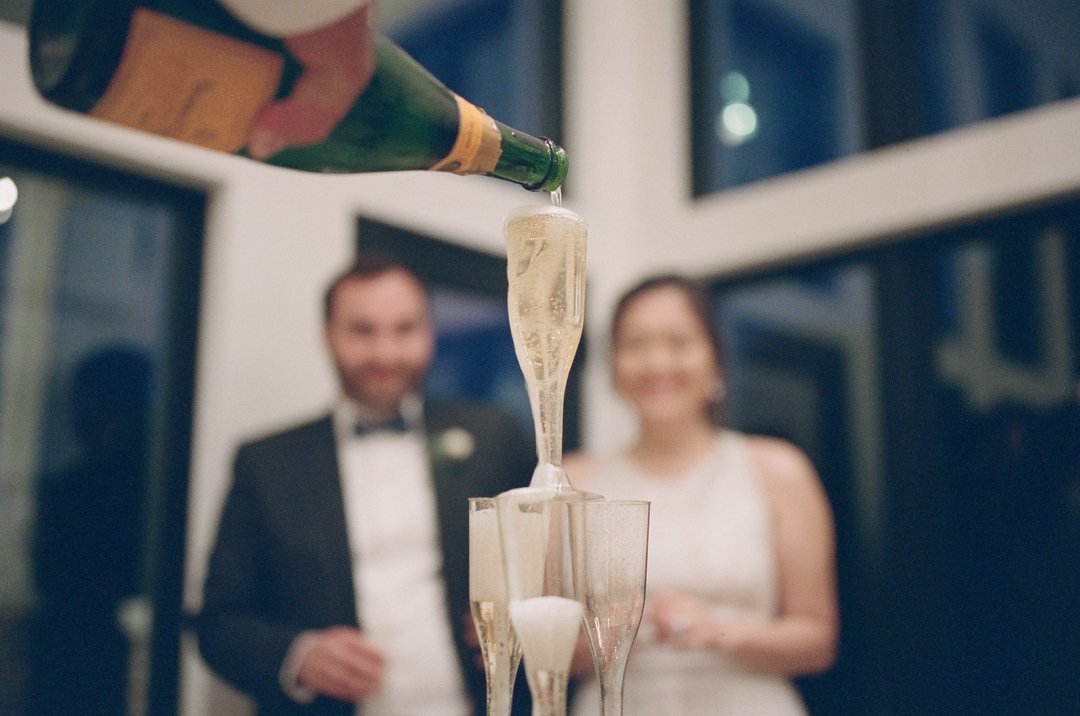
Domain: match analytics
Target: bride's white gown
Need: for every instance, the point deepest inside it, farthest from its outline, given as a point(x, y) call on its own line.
point(710, 536)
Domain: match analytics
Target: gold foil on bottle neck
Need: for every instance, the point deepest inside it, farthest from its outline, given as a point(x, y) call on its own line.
point(478, 145)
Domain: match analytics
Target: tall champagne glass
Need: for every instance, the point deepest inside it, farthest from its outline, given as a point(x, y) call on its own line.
point(615, 551)
point(545, 252)
point(488, 601)
point(542, 551)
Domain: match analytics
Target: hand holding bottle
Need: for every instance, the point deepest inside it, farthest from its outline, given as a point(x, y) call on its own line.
point(207, 72)
point(338, 61)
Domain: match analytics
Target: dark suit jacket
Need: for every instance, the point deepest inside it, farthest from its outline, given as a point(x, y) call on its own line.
point(281, 563)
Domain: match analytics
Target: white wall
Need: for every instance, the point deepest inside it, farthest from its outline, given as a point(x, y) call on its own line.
point(274, 237)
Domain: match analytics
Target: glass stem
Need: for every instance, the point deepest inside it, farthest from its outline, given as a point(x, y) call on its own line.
point(549, 415)
point(498, 701)
point(500, 685)
point(549, 693)
point(611, 688)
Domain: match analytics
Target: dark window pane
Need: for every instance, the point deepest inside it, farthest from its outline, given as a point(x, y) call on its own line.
point(502, 55)
point(983, 59)
point(1008, 69)
point(768, 93)
point(776, 88)
point(98, 290)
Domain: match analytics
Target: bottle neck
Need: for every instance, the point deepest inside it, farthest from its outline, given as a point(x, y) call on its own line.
point(536, 163)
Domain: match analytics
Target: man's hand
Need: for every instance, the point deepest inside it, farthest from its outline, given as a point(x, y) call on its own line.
point(342, 663)
point(338, 62)
point(472, 639)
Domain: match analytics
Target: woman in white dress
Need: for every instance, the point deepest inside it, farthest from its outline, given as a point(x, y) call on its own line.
point(741, 590)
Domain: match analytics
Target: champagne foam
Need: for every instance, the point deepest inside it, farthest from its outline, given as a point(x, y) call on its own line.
point(547, 628)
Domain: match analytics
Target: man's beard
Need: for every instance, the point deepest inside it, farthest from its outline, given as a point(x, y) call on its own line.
point(377, 393)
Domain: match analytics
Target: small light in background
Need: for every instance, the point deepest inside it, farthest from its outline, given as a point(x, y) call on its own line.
point(9, 194)
point(738, 124)
point(738, 121)
point(734, 87)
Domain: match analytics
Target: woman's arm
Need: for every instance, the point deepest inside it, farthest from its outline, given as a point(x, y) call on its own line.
point(803, 638)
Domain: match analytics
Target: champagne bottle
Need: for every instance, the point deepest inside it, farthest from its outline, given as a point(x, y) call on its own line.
point(189, 70)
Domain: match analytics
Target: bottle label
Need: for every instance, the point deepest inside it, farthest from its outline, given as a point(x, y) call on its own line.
point(185, 82)
point(478, 145)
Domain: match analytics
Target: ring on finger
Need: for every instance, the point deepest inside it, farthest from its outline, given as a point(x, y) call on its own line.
point(681, 625)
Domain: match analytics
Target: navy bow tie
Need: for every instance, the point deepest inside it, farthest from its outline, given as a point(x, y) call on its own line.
point(395, 424)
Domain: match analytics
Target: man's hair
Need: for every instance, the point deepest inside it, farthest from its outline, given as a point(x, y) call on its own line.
point(370, 263)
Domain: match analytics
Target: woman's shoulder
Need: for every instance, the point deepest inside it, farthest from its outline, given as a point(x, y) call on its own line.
point(783, 466)
point(795, 494)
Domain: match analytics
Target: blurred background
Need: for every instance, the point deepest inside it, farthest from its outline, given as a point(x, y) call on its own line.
point(884, 194)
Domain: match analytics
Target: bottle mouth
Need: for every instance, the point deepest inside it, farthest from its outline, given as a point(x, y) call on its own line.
point(557, 168)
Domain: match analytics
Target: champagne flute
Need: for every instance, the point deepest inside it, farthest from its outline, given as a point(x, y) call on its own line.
point(545, 269)
point(499, 646)
point(615, 552)
point(542, 548)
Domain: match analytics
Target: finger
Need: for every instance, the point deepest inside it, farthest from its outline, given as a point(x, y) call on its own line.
point(360, 649)
point(341, 678)
point(469, 632)
point(304, 118)
point(327, 676)
point(671, 626)
point(342, 664)
point(338, 61)
point(364, 660)
point(680, 625)
point(339, 685)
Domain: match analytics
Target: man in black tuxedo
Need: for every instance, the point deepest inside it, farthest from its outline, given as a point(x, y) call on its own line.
point(339, 580)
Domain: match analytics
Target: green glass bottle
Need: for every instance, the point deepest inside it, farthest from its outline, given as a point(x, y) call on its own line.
point(187, 69)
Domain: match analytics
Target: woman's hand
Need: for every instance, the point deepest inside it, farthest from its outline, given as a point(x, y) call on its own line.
point(685, 621)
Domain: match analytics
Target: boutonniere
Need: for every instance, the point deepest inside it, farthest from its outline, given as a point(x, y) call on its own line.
point(451, 447)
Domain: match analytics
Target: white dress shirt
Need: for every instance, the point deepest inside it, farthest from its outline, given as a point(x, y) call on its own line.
point(393, 534)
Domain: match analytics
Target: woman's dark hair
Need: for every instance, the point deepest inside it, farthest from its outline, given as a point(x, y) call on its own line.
point(701, 304)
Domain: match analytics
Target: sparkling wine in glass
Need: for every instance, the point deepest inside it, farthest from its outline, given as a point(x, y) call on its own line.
point(545, 252)
point(615, 552)
point(542, 551)
point(489, 604)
